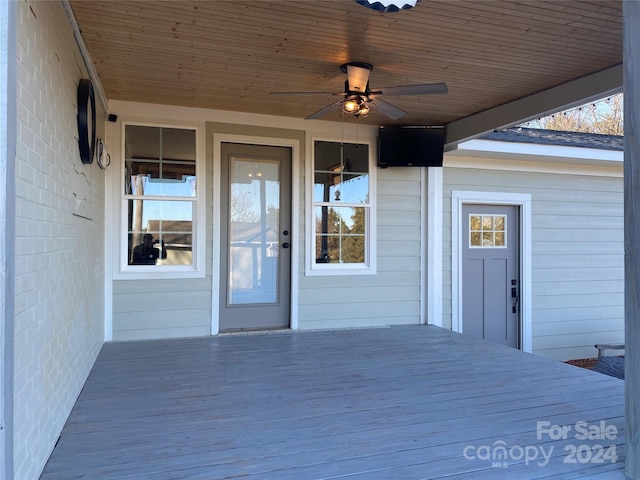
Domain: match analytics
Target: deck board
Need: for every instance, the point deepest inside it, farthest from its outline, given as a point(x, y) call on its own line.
point(400, 402)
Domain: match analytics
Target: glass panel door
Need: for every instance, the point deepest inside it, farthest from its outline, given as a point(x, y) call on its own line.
point(255, 260)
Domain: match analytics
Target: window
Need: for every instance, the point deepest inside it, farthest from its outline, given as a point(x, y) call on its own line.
point(160, 198)
point(341, 212)
point(487, 231)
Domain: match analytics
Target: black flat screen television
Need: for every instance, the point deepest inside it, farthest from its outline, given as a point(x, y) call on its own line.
point(410, 146)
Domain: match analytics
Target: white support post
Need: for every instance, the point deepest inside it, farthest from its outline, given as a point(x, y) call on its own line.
point(631, 19)
point(8, 129)
point(433, 235)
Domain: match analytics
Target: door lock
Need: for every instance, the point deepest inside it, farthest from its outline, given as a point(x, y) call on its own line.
point(514, 295)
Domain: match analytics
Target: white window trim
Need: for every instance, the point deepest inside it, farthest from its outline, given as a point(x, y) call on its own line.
point(523, 200)
point(328, 269)
point(431, 237)
point(122, 269)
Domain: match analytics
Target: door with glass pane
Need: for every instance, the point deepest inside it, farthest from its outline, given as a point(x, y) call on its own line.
point(255, 263)
point(490, 273)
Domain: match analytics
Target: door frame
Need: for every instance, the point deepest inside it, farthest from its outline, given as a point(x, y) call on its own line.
point(218, 140)
point(522, 200)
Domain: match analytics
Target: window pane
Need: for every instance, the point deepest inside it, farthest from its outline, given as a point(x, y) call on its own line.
point(475, 223)
point(487, 223)
point(160, 161)
point(147, 184)
point(327, 249)
point(498, 223)
point(326, 220)
point(487, 239)
point(340, 234)
point(354, 188)
point(343, 220)
point(475, 239)
point(142, 142)
point(170, 225)
point(499, 239)
point(325, 187)
point(353, 249)
point(339, 157)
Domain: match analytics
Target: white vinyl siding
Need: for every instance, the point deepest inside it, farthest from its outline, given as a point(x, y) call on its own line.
point(161, 309)
point(392, 296)
point(577, 254)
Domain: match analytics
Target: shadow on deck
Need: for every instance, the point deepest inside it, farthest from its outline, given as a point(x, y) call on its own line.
point(409, 402)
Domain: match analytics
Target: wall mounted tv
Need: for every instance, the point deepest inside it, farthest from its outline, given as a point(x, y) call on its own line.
point(410, 146)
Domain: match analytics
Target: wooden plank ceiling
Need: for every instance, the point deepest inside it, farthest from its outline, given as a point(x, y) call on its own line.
point(229, 55)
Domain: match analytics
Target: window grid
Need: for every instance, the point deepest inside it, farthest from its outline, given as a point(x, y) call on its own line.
point(159, 197)
point(487, 231)
point(341, 204)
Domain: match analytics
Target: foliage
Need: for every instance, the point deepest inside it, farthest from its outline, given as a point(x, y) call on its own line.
point(603, 116)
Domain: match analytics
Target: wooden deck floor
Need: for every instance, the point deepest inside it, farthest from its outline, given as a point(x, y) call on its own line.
point(388, 403)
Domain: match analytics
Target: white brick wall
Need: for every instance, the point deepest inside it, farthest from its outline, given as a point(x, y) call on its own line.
point(59, 306)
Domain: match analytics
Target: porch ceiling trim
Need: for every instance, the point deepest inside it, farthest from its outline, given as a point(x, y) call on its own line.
point(567, 95)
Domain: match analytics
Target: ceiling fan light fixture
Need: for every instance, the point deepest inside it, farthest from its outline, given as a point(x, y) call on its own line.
point(355, 105)
point(388, 5)
point(352, 104)
point(363, 111)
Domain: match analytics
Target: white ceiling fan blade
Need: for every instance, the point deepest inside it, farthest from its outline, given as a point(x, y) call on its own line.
point(388, 110)
point(324, 110)
point(421, 89)
point(358, 78)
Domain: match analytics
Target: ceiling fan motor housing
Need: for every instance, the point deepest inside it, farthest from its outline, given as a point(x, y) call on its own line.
point(357, 76)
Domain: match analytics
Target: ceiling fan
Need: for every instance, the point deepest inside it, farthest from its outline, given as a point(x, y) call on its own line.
point(358, 98)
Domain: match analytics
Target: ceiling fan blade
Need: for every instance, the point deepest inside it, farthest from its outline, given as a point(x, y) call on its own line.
point(421, 89)
point(358, 77)
point(324, 110)
point(305, 93)
point(388, 110)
